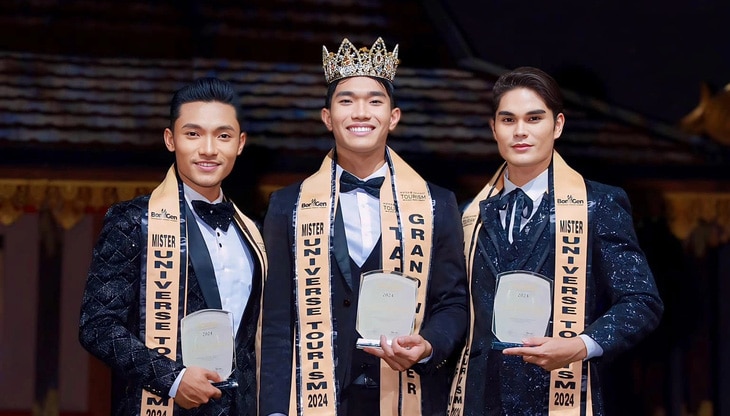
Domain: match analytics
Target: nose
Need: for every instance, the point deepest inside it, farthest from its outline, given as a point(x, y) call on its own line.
point(520, 129)
point(208, 146)
point(361, 111)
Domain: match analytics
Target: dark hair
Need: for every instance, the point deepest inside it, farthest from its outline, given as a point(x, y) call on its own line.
point(389, 89)
point(207, 90)
point(531, 78)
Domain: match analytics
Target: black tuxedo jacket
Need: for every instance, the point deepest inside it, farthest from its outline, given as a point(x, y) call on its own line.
point(444, 322)
point(110, 316)
point(622, 307)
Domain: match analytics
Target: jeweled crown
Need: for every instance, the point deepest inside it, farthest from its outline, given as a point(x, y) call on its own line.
point(352, 62)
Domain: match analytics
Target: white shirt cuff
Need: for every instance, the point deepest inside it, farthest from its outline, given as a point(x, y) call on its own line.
point(592, 348)
point(176, 384)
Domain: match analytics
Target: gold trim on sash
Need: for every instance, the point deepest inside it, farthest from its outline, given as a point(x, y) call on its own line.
point(406, 206)
point(570, 275)
point(165, 269)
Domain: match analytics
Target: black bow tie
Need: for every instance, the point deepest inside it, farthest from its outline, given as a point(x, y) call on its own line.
point(216, 215)
point(523, 207)
point(348, 182)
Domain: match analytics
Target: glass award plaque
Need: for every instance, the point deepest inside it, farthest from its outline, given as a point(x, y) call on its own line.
point(522, 308)
point(386, 306)
point(207, 340)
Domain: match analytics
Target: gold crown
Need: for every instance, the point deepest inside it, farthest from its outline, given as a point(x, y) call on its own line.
point(351, 62)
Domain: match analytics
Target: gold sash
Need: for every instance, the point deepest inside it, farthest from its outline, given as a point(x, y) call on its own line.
point(569, 298)
point(166, 272)
point(472, 225)
point(571, 213)
point(166, 276)
point(406, 209)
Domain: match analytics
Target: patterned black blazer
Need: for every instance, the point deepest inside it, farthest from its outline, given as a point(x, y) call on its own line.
point(110, 317)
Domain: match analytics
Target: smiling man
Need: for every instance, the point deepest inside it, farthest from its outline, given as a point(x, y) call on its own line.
point(558, 283)
point(364, 210)
point(163, 256)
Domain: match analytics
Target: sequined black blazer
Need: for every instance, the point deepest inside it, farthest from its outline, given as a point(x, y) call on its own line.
point(623, 303)
point(110, 316)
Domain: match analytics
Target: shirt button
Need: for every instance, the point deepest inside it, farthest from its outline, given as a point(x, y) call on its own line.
point(346, 303)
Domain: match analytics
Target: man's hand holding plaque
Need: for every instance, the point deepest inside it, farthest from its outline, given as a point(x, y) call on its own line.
point(386, 307)
point(208, 342)
point(522, 308)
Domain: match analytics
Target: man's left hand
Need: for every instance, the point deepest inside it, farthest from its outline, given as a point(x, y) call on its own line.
point(550, 353)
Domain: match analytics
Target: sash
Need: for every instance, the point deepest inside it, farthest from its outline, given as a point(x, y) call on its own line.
point(256, 240)
point(163, 280)
point(571, 242)
point(472, 225)
point(406, 209)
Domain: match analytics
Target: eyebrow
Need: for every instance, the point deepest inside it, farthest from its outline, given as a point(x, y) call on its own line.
point(529, 113)
point(197, 126)
point(368, 94)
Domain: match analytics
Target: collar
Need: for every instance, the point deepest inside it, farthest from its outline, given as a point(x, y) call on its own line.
point(192, 195)
point(380, 172)
point(534, 189)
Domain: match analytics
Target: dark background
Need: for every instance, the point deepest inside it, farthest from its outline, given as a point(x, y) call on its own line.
point(645, 56)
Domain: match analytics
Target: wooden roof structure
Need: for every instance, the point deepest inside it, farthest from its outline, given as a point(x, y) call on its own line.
point(92, 96)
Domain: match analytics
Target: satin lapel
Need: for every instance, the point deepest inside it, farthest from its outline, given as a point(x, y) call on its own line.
point(200, 258)
point(489, 211)
point(532, 235)
point(342, 255)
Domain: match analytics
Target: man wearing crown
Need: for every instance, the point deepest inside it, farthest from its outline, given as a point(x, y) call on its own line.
point(364, 210)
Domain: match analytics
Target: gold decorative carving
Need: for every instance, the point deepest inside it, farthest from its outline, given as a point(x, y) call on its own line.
point(68, 200)
point(711, 116)
point(700, 219)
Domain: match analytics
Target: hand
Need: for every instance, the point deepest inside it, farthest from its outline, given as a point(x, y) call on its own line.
point(550, 353)
point(403, 352)
point(195, 388)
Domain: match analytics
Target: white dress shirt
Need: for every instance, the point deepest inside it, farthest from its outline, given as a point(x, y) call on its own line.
point(233, 265)
point(361, 215)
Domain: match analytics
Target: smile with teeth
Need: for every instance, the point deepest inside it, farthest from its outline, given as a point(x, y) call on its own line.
point(360, 129)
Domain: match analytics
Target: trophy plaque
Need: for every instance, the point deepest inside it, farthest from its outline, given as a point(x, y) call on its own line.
point(386, 306)
point(207, 340)
point(522, 308)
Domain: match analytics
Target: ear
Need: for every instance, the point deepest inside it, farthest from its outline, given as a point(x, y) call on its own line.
point(327, 118)
point(394, 118)
point(241, 143)
point(559, 123)
point(491, 125)
point(169, 141)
